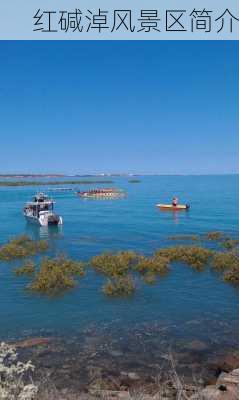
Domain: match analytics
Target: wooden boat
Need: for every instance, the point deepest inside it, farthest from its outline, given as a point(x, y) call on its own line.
point(170, 207)
point(102, 193)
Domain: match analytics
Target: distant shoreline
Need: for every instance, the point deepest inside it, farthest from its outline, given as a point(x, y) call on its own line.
point(20, 176)
point(51, 183)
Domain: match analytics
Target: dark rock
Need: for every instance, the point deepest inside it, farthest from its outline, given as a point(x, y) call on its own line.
point(196, 345)
point(232, 361)
point(38, 341)
point(227, 363)
point(116, 353)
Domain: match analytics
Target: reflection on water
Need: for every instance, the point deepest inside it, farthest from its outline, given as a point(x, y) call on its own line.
point(176, 216)
point(38, 232)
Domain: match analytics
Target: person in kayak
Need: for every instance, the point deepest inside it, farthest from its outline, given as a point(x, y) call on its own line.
point(175, 202)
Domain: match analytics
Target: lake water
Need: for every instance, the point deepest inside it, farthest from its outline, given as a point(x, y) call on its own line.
point(191, 305)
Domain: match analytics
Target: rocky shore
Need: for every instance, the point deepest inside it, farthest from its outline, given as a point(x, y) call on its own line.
point(97, 366)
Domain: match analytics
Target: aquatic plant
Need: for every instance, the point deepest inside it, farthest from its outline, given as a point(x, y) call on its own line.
point(184, 237)
point(22, 246)
point(195, 256)
point(120, 286)
point(230, 244)
point(157, 264)
point(222, 261)
point(114, 264)
point(56, 275)
point(150, 278)
point(214, 235)
point(14, 376)
point(232, 275)
point(227, 263)
point(26, 269)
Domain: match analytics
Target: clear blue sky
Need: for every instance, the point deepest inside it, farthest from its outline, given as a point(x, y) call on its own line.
point(142, 107)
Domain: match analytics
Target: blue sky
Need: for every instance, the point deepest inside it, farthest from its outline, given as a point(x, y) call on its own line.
point(141, 107)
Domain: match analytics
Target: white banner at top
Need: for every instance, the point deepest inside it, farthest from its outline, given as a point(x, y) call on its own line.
point(119, 20)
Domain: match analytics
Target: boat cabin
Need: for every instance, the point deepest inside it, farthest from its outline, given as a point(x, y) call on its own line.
point(40, 203)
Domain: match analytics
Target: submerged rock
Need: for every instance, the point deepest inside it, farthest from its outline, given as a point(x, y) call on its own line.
point(31, 342)
point(228, 362)
point(116, 353)
point(197, 345)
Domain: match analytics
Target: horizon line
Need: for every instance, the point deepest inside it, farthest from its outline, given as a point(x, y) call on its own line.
point(116, 174)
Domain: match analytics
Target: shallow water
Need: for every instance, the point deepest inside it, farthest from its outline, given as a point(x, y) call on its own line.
point(187, 303)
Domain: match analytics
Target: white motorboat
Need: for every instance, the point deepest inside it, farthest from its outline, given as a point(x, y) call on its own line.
point(40, 211)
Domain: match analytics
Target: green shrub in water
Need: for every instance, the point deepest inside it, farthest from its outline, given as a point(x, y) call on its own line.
point(184, 237)
point(26, 269)
point(229, 263)
point(154, 265)
point(222, 261)
point(230, 244)
point(114, 264)
point(120, 286)
point(232, 275)
point(56, 275)
point(214, 235)
point(20, 247)
point(196, 257)
point(150, 278)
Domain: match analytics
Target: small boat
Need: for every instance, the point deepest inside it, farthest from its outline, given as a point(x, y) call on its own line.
point(40, 211)
point(105, 193)
point(170, 207)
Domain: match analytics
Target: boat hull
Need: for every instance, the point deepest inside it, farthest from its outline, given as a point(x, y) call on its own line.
point(104, 193)
point(170, 207)
point(32, 220)
point(43, 221)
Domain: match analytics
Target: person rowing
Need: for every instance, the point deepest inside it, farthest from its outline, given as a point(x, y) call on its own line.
point(175, 202)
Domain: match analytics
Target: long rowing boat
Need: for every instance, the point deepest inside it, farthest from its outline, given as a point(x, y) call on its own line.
point(102, 193)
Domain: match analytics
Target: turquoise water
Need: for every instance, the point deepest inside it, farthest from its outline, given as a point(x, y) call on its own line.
point(93, 226)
